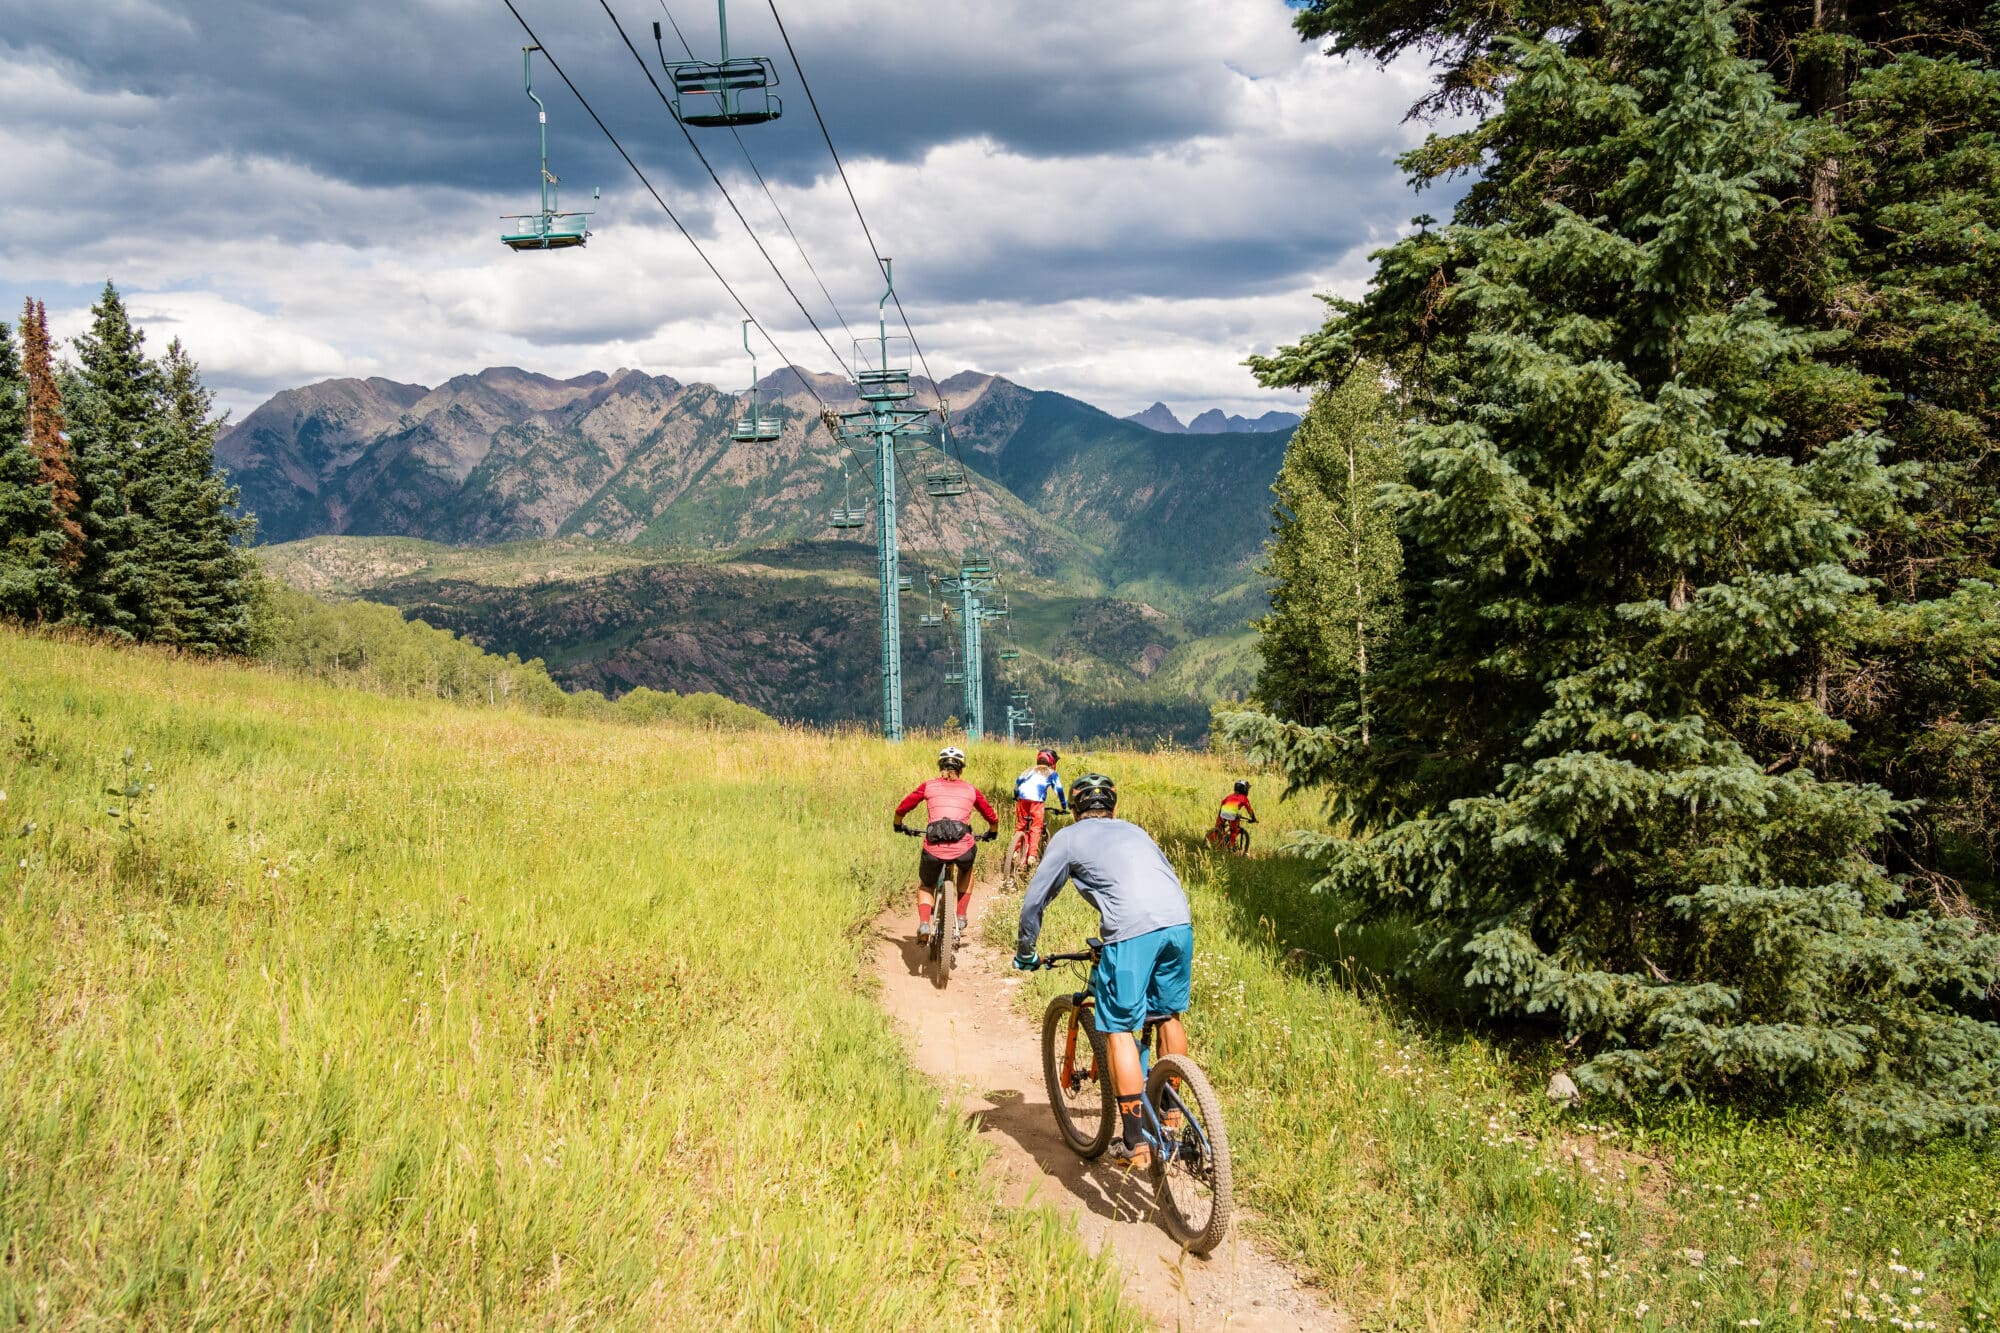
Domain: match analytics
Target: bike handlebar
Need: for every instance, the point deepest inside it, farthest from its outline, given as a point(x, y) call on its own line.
point(987, 836)
point(1051, 959)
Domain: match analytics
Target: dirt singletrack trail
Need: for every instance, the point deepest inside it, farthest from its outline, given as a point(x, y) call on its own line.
point(974, 1039)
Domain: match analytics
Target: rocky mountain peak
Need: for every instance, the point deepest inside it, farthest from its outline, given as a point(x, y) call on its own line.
point(1159, 417)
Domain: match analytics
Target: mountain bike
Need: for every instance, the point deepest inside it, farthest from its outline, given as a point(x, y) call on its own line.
point(942, 950)
point(1183, 1120)
point(1232, 835)
point(1014, 869)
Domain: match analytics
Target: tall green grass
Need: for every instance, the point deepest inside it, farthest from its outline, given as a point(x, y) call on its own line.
point(339, 1010)
point(1414, 1167)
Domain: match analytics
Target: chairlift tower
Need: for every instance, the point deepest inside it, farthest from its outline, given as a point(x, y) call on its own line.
point(882, 381)
point(972, 583)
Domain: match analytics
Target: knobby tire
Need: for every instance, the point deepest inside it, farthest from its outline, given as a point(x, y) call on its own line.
point(1183, 1216)
point(1082, 1139)
point(944, 918)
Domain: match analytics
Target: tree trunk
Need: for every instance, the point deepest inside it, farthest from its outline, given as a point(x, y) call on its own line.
point(1826, 96)
point(1360, 593)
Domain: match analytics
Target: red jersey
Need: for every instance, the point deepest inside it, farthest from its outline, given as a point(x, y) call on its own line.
point(1236, 805)
point(949, 798)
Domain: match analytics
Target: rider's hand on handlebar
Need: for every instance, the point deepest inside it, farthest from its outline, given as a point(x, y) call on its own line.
point(909, 832)
point(989, 835)
point(1026, 962)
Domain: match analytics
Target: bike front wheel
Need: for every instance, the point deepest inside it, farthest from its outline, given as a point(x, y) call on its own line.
point(1078, 1073)
point(1191, 1178)
point(943, 938)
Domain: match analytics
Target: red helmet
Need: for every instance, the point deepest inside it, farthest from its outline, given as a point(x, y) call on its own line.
point(1046, 757)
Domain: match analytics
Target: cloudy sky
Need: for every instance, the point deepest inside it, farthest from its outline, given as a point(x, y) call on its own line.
point(1117, 199)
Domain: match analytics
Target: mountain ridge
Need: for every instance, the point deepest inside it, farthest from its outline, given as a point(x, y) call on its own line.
point(1161, 418)
point(1058, 488)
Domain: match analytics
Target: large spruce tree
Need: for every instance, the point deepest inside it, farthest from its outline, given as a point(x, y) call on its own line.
point(202, 587)
point(110, 395)
point(30, 541)
point(1636, 504)
point(1881, 238)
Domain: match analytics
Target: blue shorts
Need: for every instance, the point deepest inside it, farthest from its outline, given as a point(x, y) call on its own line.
point(1147, 976)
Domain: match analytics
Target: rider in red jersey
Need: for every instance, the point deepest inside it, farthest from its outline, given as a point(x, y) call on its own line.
point(949, 802)
point(1235, 810)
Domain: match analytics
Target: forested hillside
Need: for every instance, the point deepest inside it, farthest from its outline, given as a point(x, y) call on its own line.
point(1131, 553)
point(789, 630)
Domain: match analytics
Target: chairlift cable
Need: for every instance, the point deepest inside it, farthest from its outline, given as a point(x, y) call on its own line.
point(664, 207)
point(944, 417)
point(751, 162)
point(703, 157)
point(868, 232)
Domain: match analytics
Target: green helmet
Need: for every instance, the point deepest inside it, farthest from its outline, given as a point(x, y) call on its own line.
point(1094, 791)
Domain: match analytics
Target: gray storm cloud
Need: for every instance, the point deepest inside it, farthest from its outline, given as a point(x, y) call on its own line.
point(1106, 199)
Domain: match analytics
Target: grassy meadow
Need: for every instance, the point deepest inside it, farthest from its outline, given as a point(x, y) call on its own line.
point(380, 1011)
point(386, 1012)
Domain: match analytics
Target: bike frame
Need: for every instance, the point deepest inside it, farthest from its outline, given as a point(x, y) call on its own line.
point(1148, 1038)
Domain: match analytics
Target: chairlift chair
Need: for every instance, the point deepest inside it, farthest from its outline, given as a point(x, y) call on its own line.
point(1010, 654)
point(725, 93)
point(846, 519)
point(974, 564)
point(954, 677)
point(1020, 697)
point(945, 482)
point(550, 228)
point(882, 363)
point(755, 428)
point(930, 620)
point(904, 583)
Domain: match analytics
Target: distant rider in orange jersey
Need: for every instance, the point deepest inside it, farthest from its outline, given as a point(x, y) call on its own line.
point(949, 801)
point(1033, 790)
point(1235, 807)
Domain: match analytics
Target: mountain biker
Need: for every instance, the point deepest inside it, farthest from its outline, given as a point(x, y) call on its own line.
point(948, 801)
point(1235, 806)
point(1032, 792)
point(1147, 965)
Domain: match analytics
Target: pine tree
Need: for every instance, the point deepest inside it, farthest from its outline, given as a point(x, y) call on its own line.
point(1881, 238)
point(30, 541)
point(1908, 260)
point(48, 437)
point(1635, 503)
point(203, 588)
point(110, 395)
point(1333, 559)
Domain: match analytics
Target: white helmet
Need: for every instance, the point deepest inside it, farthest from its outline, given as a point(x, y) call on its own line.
point(951, 757)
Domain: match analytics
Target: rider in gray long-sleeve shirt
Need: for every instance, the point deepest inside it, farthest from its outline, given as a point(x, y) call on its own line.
point(1118, 869)
point(1145, 970)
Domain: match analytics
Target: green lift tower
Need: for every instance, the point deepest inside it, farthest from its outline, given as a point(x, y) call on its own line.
point(972, 584)
point(882, 381)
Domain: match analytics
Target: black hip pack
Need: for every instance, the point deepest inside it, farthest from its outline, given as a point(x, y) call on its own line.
point(940, 831)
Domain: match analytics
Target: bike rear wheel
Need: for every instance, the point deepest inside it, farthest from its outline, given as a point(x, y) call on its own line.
point(1193, 1182)
point(1078, 1074)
